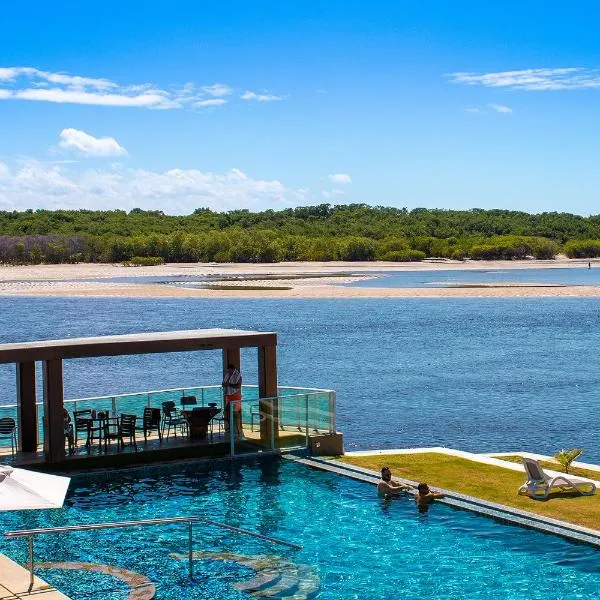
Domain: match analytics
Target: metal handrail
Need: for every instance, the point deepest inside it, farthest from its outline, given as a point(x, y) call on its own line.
point(31, 533)
point(179, 389)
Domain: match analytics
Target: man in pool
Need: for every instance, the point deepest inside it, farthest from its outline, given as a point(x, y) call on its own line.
point(387, 487)
point(424, 496)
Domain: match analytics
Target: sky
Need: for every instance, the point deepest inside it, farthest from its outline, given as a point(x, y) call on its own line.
point(263, 104)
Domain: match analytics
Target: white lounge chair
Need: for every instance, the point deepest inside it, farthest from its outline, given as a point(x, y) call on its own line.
point(539, 484)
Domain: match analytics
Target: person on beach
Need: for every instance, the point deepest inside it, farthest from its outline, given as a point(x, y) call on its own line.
point(424, 496)
point(232, 392)
point(387, 487)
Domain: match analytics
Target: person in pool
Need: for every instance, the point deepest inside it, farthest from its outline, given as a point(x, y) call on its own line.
point(387, 487)
point(424, 496)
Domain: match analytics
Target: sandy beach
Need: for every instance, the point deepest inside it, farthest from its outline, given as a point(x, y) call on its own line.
point(280, 280)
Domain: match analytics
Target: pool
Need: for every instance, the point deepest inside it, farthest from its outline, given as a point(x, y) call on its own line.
point(354, 544)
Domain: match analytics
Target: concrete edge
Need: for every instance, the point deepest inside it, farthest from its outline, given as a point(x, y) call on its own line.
point(500, 512)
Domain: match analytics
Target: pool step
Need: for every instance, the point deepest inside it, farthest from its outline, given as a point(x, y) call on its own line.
point(260, 581)
point(275, 577)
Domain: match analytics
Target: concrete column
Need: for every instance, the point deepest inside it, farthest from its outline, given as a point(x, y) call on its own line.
point(54, 433)
point(27, 425)
point(267, 388)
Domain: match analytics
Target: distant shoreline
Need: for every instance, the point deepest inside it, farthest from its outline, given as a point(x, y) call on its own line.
point(70, 280)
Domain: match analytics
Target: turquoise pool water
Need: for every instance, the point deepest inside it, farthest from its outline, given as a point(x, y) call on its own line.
point(354, 544)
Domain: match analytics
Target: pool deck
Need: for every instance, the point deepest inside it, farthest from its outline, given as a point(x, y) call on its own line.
point(14, 583)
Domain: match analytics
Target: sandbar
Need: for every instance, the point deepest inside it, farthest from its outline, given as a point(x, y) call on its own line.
point(281, 280)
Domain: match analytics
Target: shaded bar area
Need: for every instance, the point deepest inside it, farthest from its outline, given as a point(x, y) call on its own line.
point(111, 431)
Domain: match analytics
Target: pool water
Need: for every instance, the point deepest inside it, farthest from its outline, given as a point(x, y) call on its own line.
point(355, 545)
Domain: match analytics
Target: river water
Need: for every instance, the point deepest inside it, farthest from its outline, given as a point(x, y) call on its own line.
point(493, 374)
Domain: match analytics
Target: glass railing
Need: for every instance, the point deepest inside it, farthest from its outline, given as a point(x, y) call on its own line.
point(301, 412)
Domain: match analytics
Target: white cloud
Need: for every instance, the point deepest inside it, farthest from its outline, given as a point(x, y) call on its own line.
point(35, 184)
point(210, 102)
point(79, 141)
point(218, 90)
point(568, 78)
point(473, 109)
point(501, 108)
point(342, 178)
point(28, 83)
point(260, 97)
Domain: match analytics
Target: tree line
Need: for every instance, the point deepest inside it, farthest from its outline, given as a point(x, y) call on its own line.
point(355, 232)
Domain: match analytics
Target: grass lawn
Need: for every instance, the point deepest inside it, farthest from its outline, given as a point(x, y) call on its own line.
point(483, 481)
point(556, 466)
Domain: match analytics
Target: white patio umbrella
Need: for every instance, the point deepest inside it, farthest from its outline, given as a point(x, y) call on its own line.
point(23, 490)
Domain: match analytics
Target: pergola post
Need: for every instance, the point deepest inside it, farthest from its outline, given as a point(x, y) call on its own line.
point(27, 425)
point(54, 434)
point(231, 356)
point(267, 388)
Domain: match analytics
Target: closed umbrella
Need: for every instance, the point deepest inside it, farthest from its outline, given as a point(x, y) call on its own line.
point(24, 490)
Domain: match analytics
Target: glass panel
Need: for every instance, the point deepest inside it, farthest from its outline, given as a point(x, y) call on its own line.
point(8, 412)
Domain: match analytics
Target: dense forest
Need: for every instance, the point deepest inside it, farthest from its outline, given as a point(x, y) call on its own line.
point(313, 233)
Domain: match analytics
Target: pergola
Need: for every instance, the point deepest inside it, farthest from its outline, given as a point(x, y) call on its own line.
point(52, 353)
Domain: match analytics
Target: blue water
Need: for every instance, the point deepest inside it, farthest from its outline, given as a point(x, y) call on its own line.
point(355, 544)
point(453, 278)
point(483, 375)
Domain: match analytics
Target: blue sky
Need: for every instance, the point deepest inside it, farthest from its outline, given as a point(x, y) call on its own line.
point(257, 104)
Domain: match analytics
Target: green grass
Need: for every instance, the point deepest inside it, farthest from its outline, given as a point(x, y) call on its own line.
point(487, 482)
point(241, 288)
point(556, 466)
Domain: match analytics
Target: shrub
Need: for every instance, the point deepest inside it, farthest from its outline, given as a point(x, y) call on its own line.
point(144, 261)
point(566, 457)
point(582, 248)
point(404, 256)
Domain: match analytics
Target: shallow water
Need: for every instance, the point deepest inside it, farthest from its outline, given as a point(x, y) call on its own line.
point(457, 278)
point(494, 374)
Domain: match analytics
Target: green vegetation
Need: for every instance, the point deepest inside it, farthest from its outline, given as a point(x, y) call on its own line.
point(555, 466)
point(484, 481)
point(354, 232)
point(240, 288)
point(566, 457)
point(144, 261)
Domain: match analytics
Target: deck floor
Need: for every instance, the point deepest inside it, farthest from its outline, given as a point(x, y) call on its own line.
point(99, 454)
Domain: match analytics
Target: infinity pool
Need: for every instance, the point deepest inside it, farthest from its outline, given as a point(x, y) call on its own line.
point(354, 544)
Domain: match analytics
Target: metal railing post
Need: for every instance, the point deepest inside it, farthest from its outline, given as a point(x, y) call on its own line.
point(315, 417)
point(30, 563)
point(114, 405)
point(332, 401)
point(231, 431)
point(298, 413)
point(190, 553)
point(273, 400)
point(202, 391)
point(306, 415)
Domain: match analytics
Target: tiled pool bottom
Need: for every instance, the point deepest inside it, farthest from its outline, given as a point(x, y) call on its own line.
point(354, 544)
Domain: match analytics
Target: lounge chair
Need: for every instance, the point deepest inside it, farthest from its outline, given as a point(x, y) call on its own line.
point(540, 485)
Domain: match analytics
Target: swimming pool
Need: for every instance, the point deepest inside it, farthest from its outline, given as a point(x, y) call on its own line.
point(354, 544)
